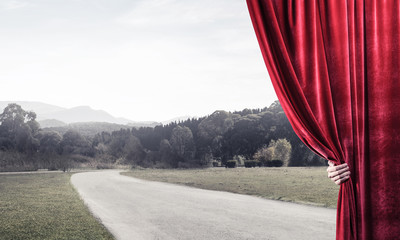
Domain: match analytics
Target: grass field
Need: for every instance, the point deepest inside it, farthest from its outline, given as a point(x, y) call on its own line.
point(300, 184)
point(44, 206)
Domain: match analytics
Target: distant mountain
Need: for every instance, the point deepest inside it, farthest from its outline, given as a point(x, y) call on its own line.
point(55, 116)
point(83, 114)
point(38, 107)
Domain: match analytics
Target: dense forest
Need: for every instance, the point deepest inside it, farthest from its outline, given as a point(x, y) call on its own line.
point(251, 137)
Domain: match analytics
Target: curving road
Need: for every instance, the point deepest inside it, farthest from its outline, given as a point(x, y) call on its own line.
point(135, 209)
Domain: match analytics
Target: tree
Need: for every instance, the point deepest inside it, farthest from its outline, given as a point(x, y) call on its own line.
point(246, 136)
point(276, 150)
point(264, 155)
point(18, 128)
point(24, 140)
point(182, 143)
point(133, 151)
point(282, 151)
point(50, 149)
point(74, 143)
point(215, 125)
point(117, 144)
point(211, 130)
point(49, 142)
point(166, 154)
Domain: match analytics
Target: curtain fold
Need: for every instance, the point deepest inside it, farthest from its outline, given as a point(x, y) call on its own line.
point(335, 66)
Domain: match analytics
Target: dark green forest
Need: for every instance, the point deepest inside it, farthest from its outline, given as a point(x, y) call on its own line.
point(251, 137)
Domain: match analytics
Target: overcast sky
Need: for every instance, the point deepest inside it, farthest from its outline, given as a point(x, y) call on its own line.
point(139, 59)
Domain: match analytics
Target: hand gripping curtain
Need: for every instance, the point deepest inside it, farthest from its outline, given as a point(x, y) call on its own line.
point(335, 66)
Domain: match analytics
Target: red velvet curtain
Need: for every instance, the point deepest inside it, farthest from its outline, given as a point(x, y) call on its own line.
point(335, 66)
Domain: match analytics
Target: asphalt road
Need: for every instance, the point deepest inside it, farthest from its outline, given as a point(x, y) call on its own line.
point(135, 209)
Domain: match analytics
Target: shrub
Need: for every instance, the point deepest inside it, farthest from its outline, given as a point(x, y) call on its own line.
point(275, 163)
point(161, 165)
point(78, 158)
point(251, 163)
point(268, 164)
point(104, 166)
point(52, 168)
point(230, 164)
point(12, 161)
point(264, 155)
point(280, 149)
point(105, 158)
point(239, 159)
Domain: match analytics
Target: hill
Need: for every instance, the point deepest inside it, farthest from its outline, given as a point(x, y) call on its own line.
point(84, 114)
point(39, 108)
point(54, 116)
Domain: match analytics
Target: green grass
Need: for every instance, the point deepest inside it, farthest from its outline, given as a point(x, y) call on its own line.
point(45, 206)
point(300, 184)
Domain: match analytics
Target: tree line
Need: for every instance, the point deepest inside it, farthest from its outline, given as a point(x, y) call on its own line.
point(252, 137)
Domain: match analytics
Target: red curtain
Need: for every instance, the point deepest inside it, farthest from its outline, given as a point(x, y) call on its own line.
point(335, 66)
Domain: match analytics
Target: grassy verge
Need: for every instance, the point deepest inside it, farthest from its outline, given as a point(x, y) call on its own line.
point(302, 185)
point(44, 206)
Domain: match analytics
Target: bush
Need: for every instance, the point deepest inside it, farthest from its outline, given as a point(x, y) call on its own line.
point(277, 163)
point(105, 158)
point(52, 168)
point(104, 166)
point(251, 163)
point(274, 163)
point(12, 161)
point(187, 165)
point(161, 165)
point(215, 164)
point(239, 159)
point(230, 164)
point(280, 149)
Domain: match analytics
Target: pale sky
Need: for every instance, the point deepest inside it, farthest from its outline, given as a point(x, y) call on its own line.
point(138, 59)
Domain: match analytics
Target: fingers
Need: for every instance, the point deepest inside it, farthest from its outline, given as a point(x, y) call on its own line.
point(338, 174)
point(343, 175)
point(332, 174)
point(336, 168)
point(342, 180)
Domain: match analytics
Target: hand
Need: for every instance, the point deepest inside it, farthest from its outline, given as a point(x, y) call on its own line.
point(338, 174)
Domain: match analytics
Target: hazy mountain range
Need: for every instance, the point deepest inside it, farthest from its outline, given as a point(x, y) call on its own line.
point(54, 116)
